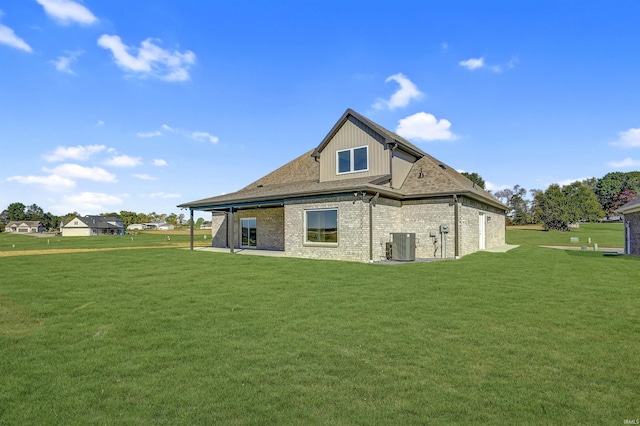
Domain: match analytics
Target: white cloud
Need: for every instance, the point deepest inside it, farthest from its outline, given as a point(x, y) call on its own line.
point(150, 59)
point(9, 37)
point(163, 195)
point(628, 139)
point(53, 183)
point(100, 123)
point(403, 96)
point(159, 162)
point(627, 162)
point(144, 177)
point(123, 161)
point(149, 134)
point(204, 137)
point(477, 63)
point(472, 64)
point(63, 63)
point(167, 128)
point(493, 187)
point(444, 46)
point(67, 12)
point(425, 127)
point(570, 181)
point(81, 172)
point(79, 153)
point(88, 203)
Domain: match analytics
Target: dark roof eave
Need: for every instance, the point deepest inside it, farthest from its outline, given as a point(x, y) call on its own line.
point(282, 198)
point(239, 202)
point(469, 194)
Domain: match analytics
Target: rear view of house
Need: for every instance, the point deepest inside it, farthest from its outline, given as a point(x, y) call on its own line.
point(363, 194)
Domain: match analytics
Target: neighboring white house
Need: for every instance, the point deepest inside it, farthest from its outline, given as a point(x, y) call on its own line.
point(364, 194)
point(135, 227)
point(24, 227)
point(160, 226)
point(92, 225)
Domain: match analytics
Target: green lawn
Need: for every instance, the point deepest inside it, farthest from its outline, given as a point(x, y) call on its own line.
point(170, 336)
point(17, 242)
point(603, 234)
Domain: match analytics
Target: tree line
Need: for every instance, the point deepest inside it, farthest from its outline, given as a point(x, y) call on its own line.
point(558, 207)
point(20, 212)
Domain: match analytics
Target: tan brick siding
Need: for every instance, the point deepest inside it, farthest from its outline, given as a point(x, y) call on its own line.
point(632, 221)
point(282, 228)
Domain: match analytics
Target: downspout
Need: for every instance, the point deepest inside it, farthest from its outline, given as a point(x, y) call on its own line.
point(392, 147)
point(372, 203)
point(456, 226)
point(232, 232)
point(191, 229)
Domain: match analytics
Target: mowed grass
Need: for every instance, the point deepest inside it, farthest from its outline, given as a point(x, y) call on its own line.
point(177, 238)
point(170, 336)
point(609, 235)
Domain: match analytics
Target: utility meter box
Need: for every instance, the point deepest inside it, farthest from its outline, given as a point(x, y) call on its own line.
point(444, 229)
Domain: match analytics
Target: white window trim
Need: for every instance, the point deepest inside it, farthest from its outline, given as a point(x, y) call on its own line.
point(351, 162)
point(318, 243)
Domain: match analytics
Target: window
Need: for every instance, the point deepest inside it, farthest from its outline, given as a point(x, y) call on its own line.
point(321, 226)
point(353, 160)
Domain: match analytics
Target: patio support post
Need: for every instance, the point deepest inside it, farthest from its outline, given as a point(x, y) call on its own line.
point(191, 229)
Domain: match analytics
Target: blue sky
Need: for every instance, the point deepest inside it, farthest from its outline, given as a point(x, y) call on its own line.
point(143, 105)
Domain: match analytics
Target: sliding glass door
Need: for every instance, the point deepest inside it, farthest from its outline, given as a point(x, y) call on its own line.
point(248, 236)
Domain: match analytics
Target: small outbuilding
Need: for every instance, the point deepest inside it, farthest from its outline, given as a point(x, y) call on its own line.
point(631, 218)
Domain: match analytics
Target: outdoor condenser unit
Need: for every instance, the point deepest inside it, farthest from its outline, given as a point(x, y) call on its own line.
point(404, 246)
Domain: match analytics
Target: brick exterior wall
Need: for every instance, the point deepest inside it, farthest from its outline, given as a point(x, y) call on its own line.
point(282, 228)
point(269, 228)
point(632, 233)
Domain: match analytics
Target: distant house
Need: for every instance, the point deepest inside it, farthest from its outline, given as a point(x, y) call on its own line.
point(363, 194)
point(159, 226)
point(24, 227)
point(92, 225)
point(631, 216)
point(135, 227)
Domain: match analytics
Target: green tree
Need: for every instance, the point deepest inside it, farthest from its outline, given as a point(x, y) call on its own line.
point(129, 217)
point(172, 219)
point(520, 207)
point(558, 207)
point(609, 188)
point(199, 222)
point(16, 211)
point(34, 212)
point(475, 178)
point(583, 202)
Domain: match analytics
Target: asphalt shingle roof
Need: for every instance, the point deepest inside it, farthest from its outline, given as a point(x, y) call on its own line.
point(427, 177)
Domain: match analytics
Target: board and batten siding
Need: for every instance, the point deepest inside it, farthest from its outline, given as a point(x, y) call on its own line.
point(351, 136)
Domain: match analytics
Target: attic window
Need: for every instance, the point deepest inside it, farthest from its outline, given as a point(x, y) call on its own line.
point(352, 160)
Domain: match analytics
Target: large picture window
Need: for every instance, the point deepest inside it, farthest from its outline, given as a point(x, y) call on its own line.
point(321, 226)
point(353, 160)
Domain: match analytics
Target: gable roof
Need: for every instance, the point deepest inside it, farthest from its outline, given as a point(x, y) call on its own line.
point(428, 177)
point(101, 222)
point(630, 207)
point(30, 223)
point(379, 133)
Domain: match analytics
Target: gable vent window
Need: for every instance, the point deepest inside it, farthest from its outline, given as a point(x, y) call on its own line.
point(353, 160)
